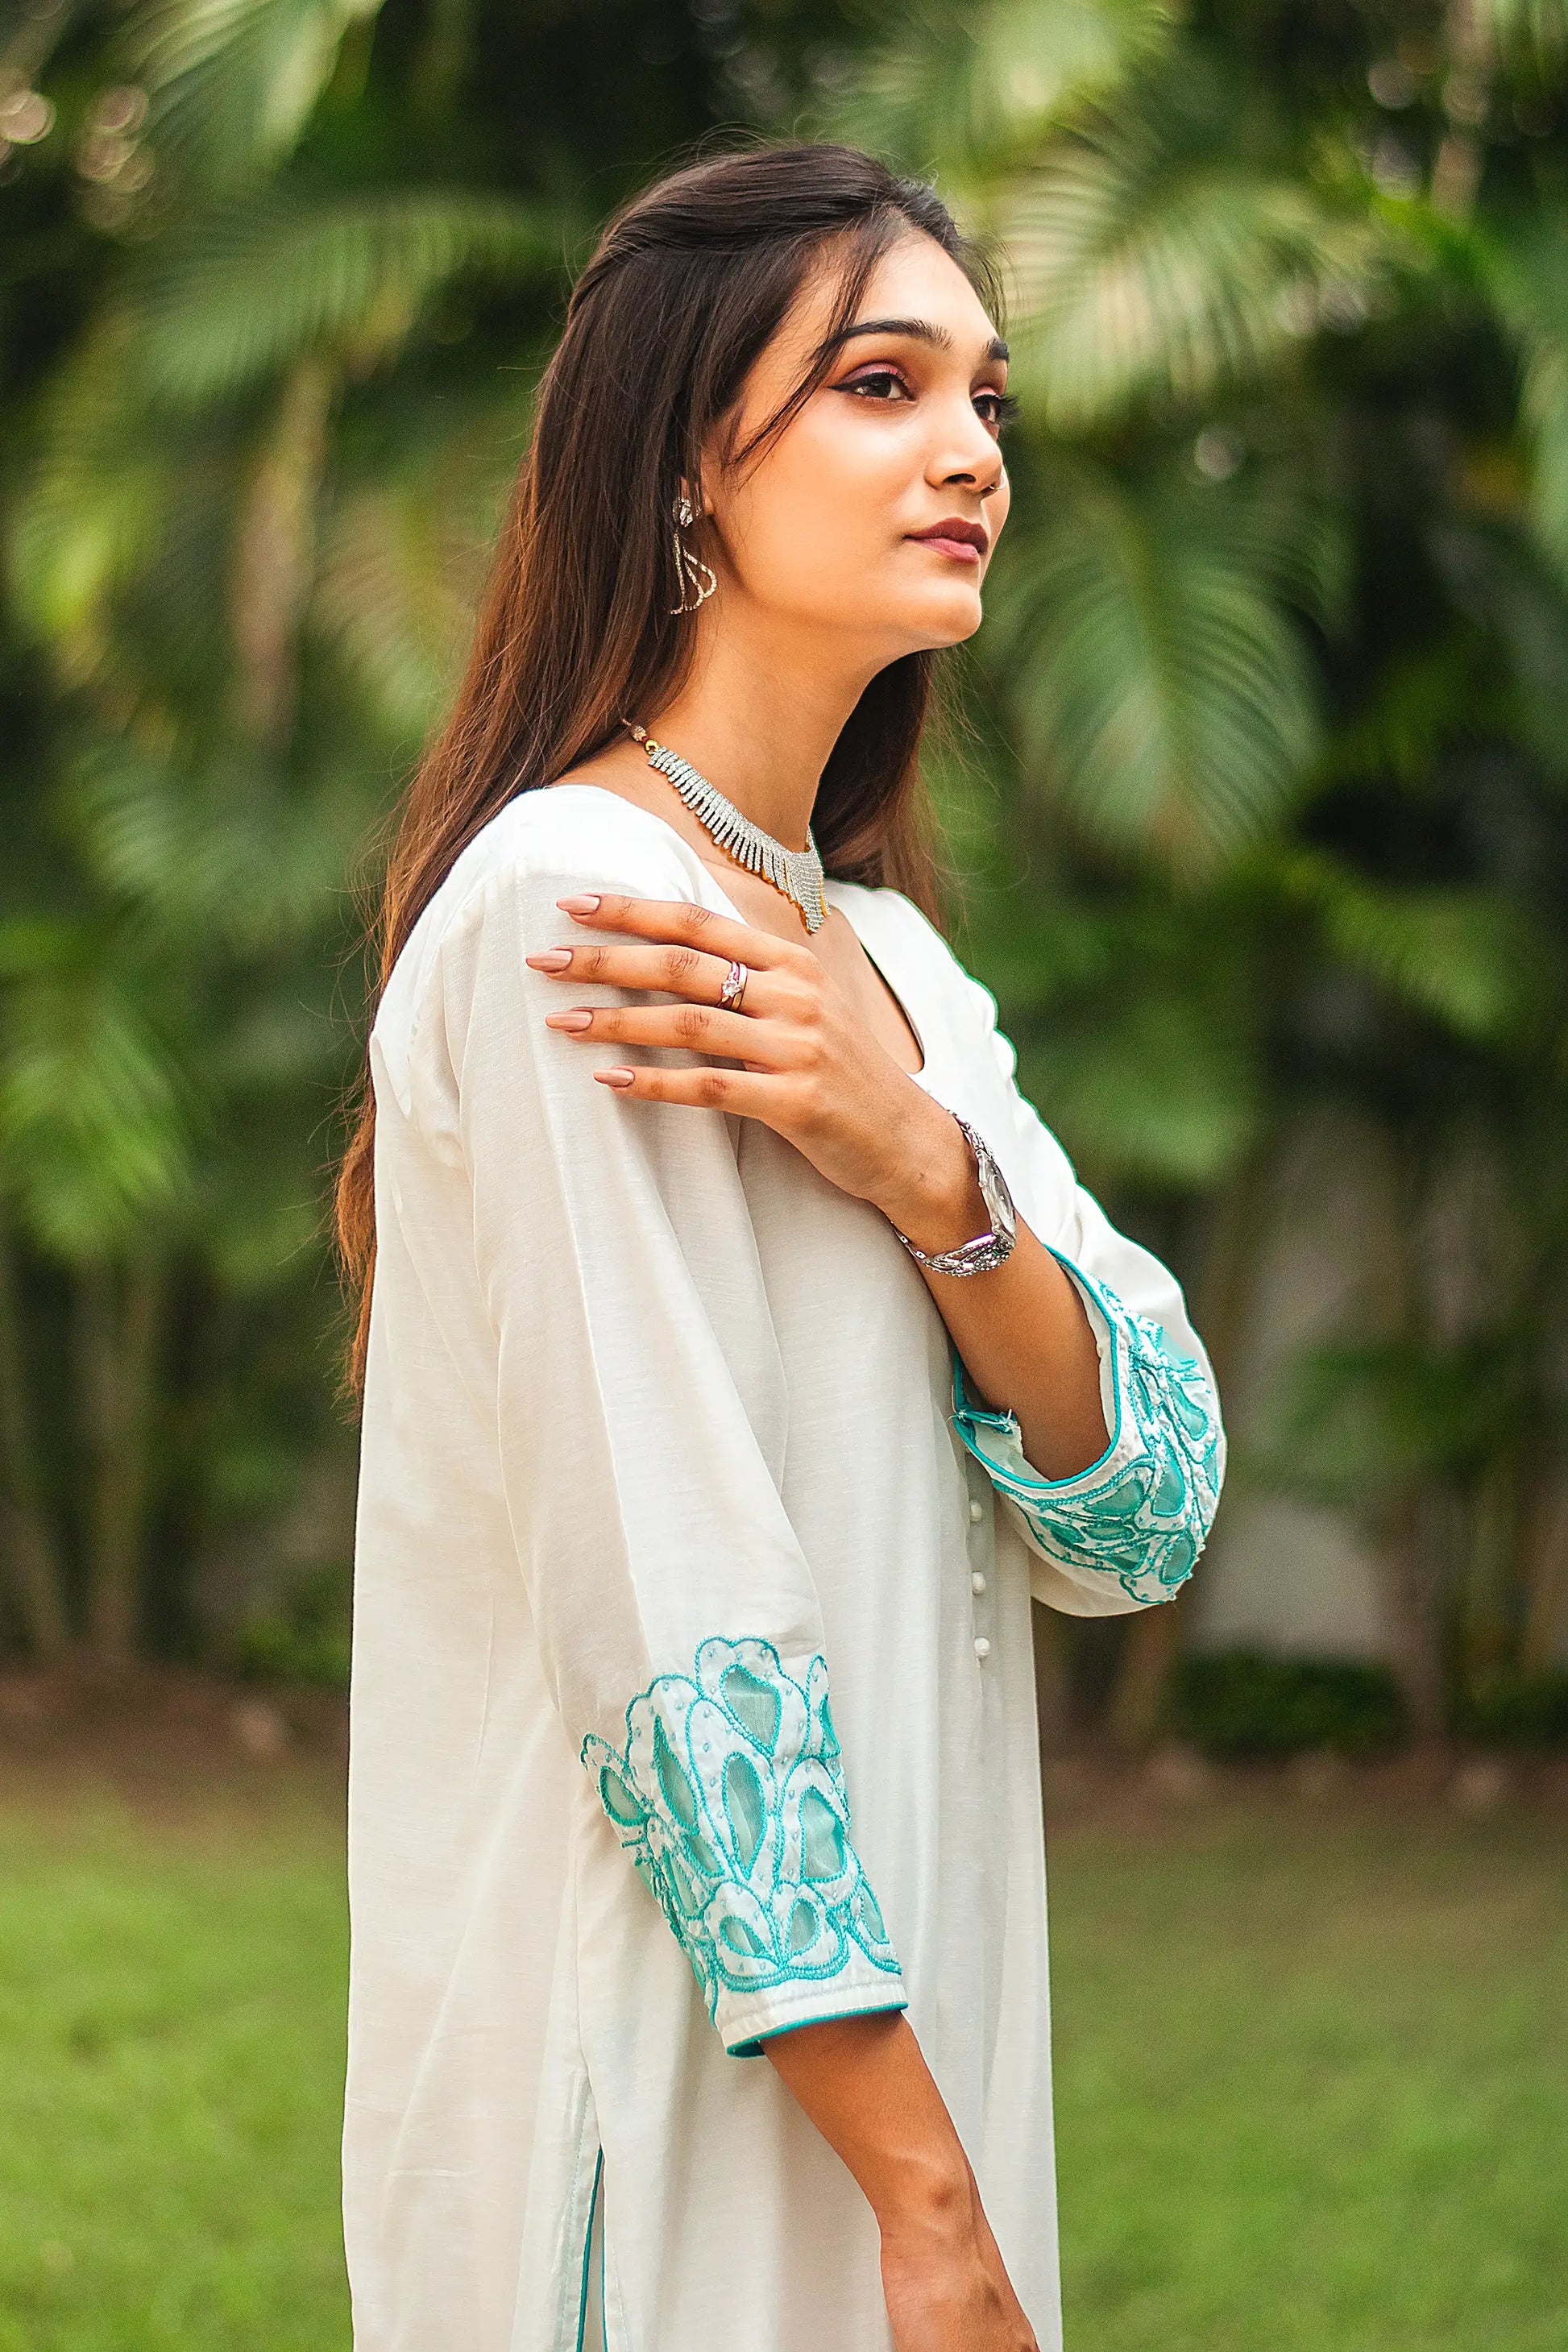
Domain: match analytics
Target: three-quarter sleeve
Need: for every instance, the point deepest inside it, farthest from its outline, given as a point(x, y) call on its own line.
point(1127, 1532)
point(642, 1426)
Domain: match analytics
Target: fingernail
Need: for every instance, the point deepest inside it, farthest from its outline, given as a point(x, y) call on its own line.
point(576, 1019)
point(550, 960)
point(583, 904)
point(617, 1077)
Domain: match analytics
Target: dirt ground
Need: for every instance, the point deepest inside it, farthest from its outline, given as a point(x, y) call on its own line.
point(169, 1741)
point(165, 1739)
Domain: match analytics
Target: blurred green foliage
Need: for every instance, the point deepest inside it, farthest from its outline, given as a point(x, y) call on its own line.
point(1245, 1704)
point(1261, 809)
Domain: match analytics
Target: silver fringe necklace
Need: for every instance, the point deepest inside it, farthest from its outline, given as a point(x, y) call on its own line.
point(796, 873)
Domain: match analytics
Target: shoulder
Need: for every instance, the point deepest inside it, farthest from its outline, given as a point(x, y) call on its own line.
point(541, 843)
point(581, 832)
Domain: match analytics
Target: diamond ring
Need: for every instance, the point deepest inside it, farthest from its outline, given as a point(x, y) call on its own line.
point(734, 986)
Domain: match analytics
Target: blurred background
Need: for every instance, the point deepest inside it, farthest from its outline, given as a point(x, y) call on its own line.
point(1258, 822)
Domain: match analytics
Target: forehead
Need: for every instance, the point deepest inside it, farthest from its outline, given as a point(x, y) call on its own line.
point(913, 279)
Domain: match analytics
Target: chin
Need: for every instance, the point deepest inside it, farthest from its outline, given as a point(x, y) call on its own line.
point(950, 622)
point(902, 625)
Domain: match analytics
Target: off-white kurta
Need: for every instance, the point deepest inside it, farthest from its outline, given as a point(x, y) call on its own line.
point(693, 1693)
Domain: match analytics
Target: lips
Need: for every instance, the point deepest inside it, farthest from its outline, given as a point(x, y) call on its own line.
point(966, 541)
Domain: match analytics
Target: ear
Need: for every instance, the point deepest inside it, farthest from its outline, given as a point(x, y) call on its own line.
point(707, 484)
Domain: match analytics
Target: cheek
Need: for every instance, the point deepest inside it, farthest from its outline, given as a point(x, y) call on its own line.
point(999, 505)
point(826, 502)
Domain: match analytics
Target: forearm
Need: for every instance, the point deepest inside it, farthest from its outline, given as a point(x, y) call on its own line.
point(1020, 1329)
point(865, 2083)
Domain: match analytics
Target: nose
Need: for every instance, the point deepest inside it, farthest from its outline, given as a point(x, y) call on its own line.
point(968, 453)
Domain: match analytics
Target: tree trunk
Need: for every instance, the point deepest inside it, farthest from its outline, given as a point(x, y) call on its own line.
point(1405, 1543)
point(27, 1539)
point(119, 1333)
point(1141, 1696)
point(1545, 1635)
point(1053, 1694)
point(1403, 1537)
point(274, 557)
point(1496, 1546)
point(1139, 1700)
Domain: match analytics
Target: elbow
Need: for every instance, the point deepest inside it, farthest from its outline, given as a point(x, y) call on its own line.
point(1142, 1532)
point(1183, 1475)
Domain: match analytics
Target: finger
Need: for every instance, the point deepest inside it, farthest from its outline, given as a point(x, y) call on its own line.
point(678, 971)
point(699, 1028)
point(689, 925)
point(755, 1095)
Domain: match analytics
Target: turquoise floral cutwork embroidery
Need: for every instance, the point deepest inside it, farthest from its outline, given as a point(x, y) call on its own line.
point(730, 1799)
point(1143, 1511)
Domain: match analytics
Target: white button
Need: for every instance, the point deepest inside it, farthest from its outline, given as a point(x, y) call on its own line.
point(976, 1509)
point(976, 1582)
point(982, 1646)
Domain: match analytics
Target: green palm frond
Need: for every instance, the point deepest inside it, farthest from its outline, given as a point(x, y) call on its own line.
point(1159, 686)
point(93, 1128)
point(90, 503)
point(401, 558)
point(1507, 584)
point(261, 282)
point(233, 855)
point(120, 554)
point(1355, 1422)
point(1419, 706)
point(960, 89)
point(1528, 275)
point(142, 450)
point(1157, 1092)
point(1149, 261)
point(232, 82)
point(1466, 957)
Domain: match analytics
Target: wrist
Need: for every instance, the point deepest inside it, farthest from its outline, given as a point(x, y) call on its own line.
point(932, 1195)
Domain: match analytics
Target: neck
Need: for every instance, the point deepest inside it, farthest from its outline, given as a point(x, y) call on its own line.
point(759, 718)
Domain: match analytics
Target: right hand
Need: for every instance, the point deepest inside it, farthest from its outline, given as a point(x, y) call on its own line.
point(946, 2288)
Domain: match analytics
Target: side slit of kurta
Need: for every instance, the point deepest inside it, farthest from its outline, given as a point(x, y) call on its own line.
point(590, 2307)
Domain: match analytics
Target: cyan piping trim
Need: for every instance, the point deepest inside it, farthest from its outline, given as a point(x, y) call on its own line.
point(587, 2249)
point(753, 2048)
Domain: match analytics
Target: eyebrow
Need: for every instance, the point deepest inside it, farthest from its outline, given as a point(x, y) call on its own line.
point(922, 330)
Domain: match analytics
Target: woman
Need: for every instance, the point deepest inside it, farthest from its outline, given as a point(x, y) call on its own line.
point(724, 1397)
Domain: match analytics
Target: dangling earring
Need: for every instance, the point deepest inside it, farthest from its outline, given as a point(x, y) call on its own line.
point(694, 572)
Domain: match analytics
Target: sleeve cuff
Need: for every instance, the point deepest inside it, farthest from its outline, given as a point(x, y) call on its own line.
point(729, 1796)
point(1139, 1517)
point(747, 2025)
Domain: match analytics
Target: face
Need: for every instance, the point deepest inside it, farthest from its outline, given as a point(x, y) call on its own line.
point(837, 527)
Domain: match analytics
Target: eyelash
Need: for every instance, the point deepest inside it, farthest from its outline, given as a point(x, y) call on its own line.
point(1007, 404)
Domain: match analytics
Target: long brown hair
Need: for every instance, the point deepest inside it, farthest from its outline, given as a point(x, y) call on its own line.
point(686, 286)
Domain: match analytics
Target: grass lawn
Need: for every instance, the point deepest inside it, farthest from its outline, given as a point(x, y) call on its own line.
point(171, 2078)
point(1312, 2085)
point(1313, 2078)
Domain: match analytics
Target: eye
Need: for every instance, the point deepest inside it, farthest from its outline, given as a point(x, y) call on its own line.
point(874, 378)
point(1004, 408)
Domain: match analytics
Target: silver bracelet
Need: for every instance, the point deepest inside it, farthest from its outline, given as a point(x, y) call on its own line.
point(988, 1249)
